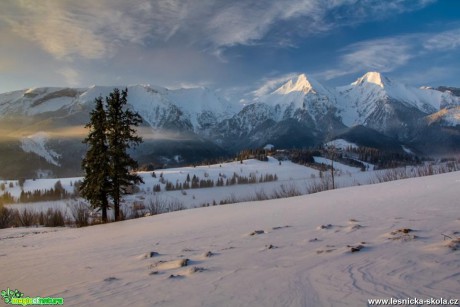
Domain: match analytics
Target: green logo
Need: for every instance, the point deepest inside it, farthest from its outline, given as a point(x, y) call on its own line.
point(15, 297)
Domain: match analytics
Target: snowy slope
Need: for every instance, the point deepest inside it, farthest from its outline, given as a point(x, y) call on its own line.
point(37, 101)
point(300, 113)
point(300, 93)
point(301, 256)
point(290, 175)
point(341, 144)
point(202, 108)
point(446, 117)
point(192, 109)
point(372, 92)
point(37, 143)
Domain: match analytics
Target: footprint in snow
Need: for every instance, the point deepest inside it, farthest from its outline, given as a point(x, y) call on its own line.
point(257, 232)
point(402, 234)
point(280, 227)
point(170, 265)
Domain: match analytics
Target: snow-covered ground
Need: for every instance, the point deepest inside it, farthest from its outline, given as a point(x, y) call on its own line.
point(36, 143)
point(285, 252)
point(289, 176)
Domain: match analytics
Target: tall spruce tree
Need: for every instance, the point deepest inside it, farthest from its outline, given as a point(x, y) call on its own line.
point(96, 184)
point(121, 136)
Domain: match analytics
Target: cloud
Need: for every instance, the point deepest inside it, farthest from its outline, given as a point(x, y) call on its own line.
point(447, 40)
point(5, 65)
point(381, 55)
point(391, 53)
point(189, 85)
point(282, 22)
point(86, 29)
point(96, 29)
point(71, 76)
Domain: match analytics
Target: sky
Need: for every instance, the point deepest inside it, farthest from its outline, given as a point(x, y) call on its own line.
point(234, 47)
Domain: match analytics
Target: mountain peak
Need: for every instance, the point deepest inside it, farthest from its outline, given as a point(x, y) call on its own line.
point(300, 84)
point(372, 77)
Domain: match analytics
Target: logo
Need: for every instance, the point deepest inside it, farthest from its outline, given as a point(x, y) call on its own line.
point(16, 297)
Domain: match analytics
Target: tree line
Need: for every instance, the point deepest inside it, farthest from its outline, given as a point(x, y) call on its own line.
point(196, 182)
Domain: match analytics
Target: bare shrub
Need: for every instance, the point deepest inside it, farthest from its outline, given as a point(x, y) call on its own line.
point(318, 186)
point(231, 200)
point(80, 212)
point(285, 191)
point(6, 217)
point(54, 218)
point(156, 205)
point(26, 217)
point(261, 195)
point(425, 170)
point(129, 213)
point(391, 175)
point(175, 205)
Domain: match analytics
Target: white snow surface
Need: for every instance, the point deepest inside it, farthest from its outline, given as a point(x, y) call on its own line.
point(36, 143)
point(359, 99)
point(37, 100)
point(290, 176)
point(342, 144)
point(355, 102)
point(448, 117)
point(300, 257)
point(300, 93)
point(200, 109)
point(199, 106)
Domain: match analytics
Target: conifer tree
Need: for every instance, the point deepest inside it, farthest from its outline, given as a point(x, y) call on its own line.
point(121, 136)
point(96, 183)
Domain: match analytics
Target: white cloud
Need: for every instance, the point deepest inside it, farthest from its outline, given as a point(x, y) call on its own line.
point(391, 53)
point(84, 28)
point(188, 85)
point(447, 40)
point(250, 22)
point(70, 75)
point(96, 29)
point(381, 55)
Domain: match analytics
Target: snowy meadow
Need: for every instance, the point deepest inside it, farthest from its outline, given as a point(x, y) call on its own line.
point(346, 246)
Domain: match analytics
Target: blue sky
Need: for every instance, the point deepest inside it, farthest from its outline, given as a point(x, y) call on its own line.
point(232, 46)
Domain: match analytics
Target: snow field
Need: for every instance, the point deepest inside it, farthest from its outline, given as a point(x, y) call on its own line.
point(291, 177)
point(285, 252)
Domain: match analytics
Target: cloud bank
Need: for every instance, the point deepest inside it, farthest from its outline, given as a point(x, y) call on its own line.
point(97, 29)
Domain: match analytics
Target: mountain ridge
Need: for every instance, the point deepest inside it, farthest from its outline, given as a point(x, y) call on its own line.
point(299, 113)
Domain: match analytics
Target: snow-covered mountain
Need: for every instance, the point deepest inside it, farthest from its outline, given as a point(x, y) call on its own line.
point(195, 109)
point(300, 111)
point(197, 123)
point(374, 101)
point(388, 106)
point(45, 125)
point(301, 93)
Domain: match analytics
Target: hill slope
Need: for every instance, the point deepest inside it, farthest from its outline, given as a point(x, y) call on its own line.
point(302, 255)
